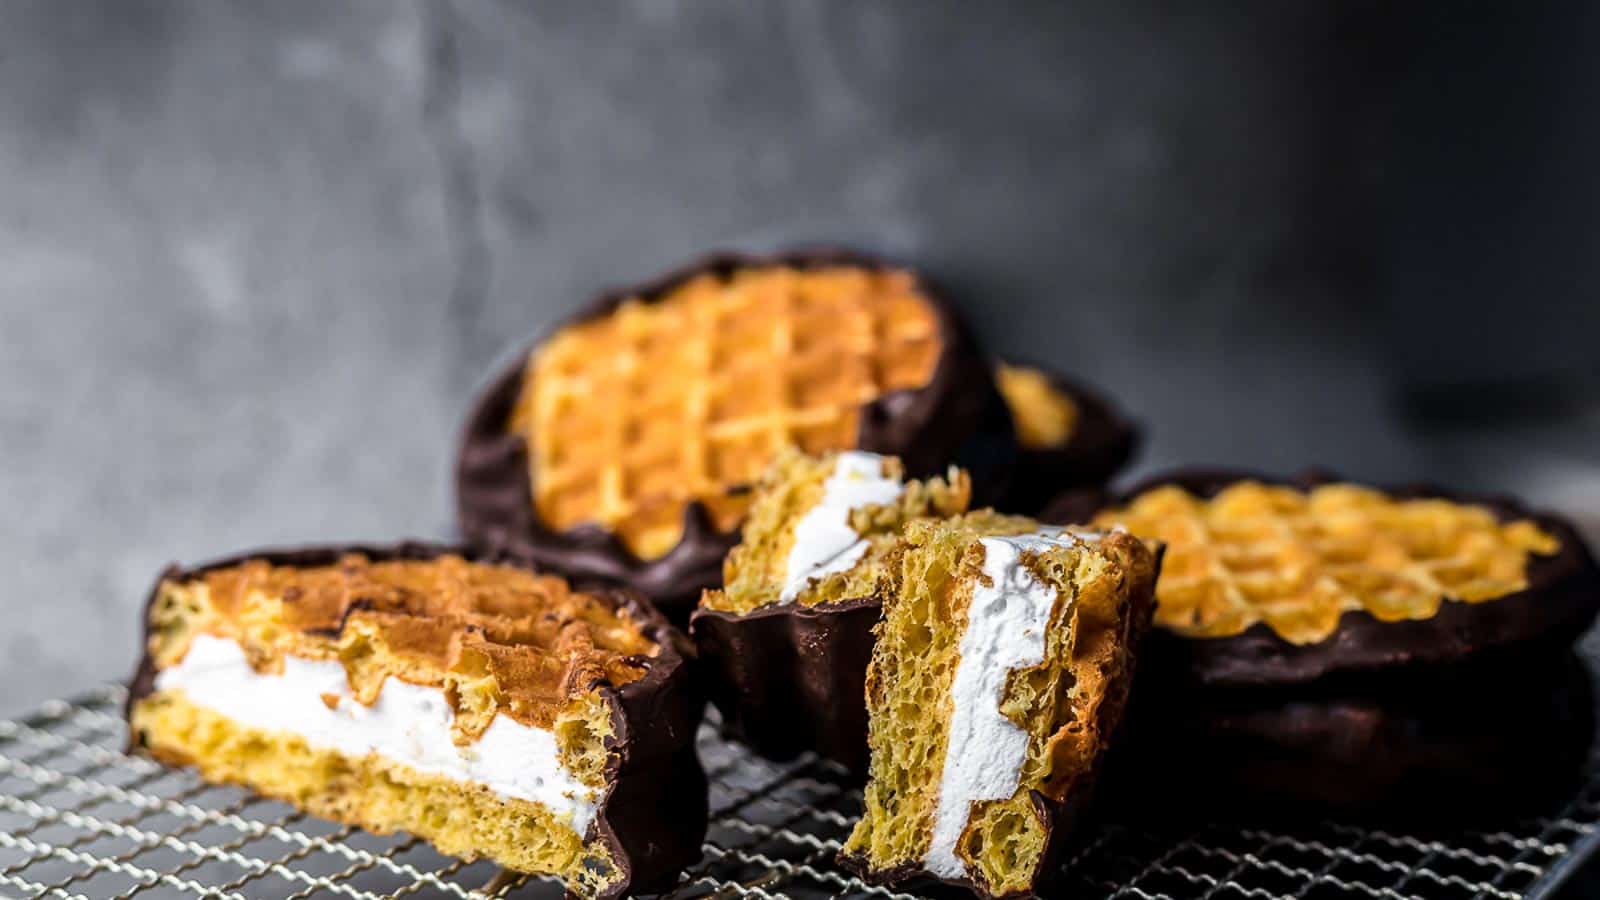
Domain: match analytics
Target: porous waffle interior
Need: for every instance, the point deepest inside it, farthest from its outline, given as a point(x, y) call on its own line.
point(372, 792)
point(1044, 417)
point(496, 638)
point(1068, 704)
point(687, 397)
point(1297, 560)
point(753, 572)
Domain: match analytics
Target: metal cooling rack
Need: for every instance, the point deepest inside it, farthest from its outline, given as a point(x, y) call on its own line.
point(79, 819)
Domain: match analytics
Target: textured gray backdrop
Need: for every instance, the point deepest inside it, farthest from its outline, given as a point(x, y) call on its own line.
point(255, 257)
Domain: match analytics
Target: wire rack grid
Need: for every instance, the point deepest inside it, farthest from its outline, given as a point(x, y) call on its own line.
point(81, 819)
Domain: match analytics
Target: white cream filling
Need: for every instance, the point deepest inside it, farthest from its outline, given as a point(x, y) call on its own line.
point(409, 724)
point(1006, 625)
point(824, 542)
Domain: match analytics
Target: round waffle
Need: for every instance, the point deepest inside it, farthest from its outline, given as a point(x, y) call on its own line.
point(545, 641)
point(1069, 436)
point(1286, 581)
point(624, 444)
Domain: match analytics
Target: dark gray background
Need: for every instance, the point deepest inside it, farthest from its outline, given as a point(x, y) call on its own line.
point(255, 257)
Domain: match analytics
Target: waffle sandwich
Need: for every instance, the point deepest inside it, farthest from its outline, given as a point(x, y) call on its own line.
point(1001, 668)
point(624, 445)
point(1320, 644)
point(786, 641)
point(1068, 436)
point(494, 712)
point(1270, 583)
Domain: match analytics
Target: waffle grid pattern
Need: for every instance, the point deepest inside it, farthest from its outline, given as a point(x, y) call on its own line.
point(79, 819)
point(1298, 561)
point(631, 416)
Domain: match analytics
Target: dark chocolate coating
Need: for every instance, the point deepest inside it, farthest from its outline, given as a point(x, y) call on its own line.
point(1559, 604)
point(957, 417)
point(1101, 443)
point(1510, 736)
point(653, 819)
point(791, 678)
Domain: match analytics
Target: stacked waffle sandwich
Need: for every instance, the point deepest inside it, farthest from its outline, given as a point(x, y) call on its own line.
point(973, 665)
point(807, 458)
point(494, 711)
point(519, 698)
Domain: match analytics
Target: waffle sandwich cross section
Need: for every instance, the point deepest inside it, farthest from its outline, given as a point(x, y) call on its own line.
point(822, 529)
point(1001, 668)
point(474, 705)
point(1297, 559)
point(632, 416)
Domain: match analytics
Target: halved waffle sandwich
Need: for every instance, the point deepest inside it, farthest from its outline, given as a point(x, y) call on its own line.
point(492, 711)
point(786, 642)
point(1001, 668)
point(624, 445)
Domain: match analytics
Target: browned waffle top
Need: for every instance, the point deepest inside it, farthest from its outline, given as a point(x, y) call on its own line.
point(497, 638)
point(631, 416)
point(1043, 415)
point(1297, 560)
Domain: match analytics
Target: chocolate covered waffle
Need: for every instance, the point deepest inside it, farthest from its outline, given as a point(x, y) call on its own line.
point(1282, 583)
point(1068, 436)
point(786, 641)
point(1001, 668)
point(494, 712)
point(1511, 738)
point(624, 444)
point(1321, 644)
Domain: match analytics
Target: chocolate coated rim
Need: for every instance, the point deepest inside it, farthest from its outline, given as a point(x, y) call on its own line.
point(1560, 602)
point(791, 678)
point(1484, 731)
point(1103, 440)
point(958, 416)
point(654, 816)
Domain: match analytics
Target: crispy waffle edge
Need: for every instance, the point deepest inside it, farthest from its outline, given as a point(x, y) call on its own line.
point(653, 816)
point(1559, 603)
point(957, 417)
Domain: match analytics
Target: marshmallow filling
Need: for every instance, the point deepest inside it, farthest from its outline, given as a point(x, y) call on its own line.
point(1006, 623)
point(408, 724)
point(824, 542)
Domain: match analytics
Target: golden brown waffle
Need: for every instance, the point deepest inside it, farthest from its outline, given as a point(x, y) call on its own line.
point(1297, 560)
point(599, 670)
point(442, 621)
point(1068, 703)
point(631, 416)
